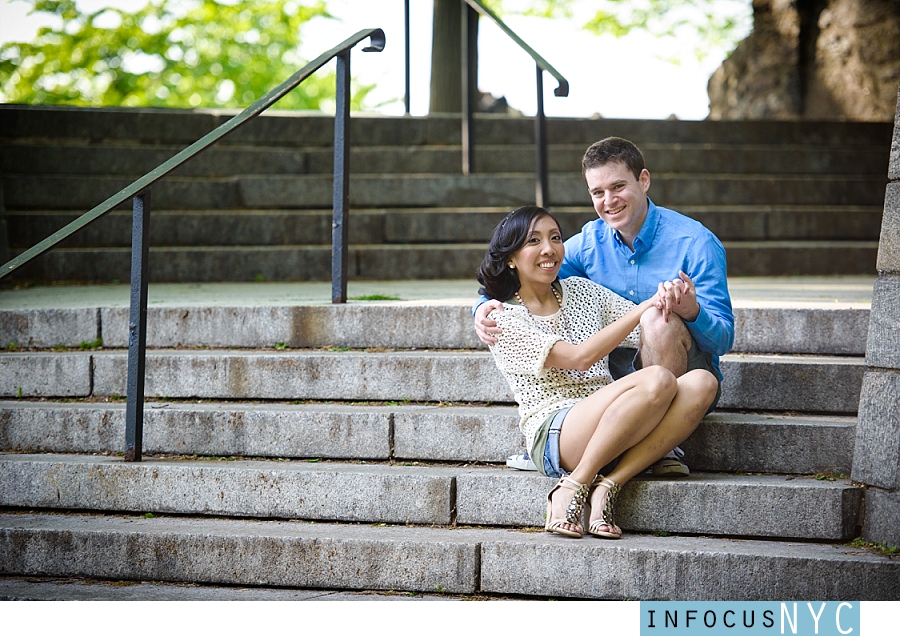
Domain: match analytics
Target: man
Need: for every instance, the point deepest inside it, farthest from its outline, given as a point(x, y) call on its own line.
point(630, 248)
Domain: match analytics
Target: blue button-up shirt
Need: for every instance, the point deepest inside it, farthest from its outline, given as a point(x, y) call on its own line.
point(668, 241)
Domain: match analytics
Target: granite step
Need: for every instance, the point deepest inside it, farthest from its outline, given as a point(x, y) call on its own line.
point(677, 190)
point(761, 326)
point(703, 503)
point(182, 127)
point(723, 442)
point(813, 384)
point(757, 185)
point(454, 560)
point(72, 156)
point(370, 226)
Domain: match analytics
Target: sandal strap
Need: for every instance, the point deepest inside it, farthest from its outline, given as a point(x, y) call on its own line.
point(567, 482)
point(600, 480)
point(576, 504)
point(608, 513)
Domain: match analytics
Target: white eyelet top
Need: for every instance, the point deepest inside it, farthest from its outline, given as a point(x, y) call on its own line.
point(525, 341)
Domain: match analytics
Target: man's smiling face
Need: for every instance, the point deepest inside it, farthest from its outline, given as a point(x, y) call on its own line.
point(619, 199)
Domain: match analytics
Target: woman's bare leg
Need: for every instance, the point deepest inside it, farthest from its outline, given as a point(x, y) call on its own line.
point(607, 423)
point(696, 390)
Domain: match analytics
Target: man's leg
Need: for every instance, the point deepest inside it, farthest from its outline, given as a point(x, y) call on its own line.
point(670, 345)
point(664, 342)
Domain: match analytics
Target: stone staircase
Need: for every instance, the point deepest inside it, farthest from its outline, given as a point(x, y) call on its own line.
point(360, 447)
point(291, 444)
point(784, 197)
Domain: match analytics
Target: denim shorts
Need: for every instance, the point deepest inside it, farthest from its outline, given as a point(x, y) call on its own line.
point(550, 455)
point(548, 436)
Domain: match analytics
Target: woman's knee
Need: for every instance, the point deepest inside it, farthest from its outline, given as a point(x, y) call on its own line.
point(700, 385)
point(659, 382)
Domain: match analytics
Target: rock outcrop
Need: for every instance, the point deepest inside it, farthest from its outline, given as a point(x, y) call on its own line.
point(813, 59)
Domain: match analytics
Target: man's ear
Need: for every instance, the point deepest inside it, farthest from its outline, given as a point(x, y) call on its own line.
point(644, 180)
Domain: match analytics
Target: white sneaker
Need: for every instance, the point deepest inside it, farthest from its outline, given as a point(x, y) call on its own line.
point(671, 465)
point(520, 462)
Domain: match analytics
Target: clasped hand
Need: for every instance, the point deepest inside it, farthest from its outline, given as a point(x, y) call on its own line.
point(678, 296)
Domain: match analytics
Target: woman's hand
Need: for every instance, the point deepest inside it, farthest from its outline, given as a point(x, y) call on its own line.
point(652, 302)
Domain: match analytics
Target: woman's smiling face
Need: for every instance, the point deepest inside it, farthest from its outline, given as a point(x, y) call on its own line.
point(539, 259)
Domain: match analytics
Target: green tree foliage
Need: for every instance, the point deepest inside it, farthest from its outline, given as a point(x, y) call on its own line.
point(715, 24)
point(718, 24)
point(173, 53)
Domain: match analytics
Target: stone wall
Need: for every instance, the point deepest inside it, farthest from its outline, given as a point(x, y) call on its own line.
point(813, 59)
point(876, 459)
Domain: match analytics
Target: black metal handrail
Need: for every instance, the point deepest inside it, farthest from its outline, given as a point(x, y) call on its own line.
point(471, 10)
point(139, 193)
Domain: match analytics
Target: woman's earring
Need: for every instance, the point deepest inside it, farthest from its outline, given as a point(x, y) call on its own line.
point(510, 265)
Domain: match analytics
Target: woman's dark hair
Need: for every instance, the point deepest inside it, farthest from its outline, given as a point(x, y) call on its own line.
point(498, 280)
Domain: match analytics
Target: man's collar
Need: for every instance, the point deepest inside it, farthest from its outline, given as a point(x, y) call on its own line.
point(648, 229)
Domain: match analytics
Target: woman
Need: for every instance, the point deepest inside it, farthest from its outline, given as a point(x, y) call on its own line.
point(553, 347)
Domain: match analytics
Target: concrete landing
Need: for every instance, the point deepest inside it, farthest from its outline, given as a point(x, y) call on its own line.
point(847, 292)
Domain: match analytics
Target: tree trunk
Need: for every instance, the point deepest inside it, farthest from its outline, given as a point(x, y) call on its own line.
point(446, 47)
point(445, 57)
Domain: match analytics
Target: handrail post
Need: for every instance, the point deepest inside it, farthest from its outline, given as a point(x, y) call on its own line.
point(137, 327)
point(468, 63)
point(341, 198)
point(406, 98)
point(4, 232)
point(541, 195)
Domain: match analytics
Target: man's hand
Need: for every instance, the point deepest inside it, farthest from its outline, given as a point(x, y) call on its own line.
point(678, 296)
point(484, 326)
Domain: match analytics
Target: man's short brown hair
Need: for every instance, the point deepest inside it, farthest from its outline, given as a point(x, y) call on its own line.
point(613, 150)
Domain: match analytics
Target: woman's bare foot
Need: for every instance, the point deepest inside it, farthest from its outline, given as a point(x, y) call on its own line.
point(602, 522)
point(566, 500)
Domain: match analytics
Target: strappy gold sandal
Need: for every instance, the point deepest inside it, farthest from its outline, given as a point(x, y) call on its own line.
point(607, 517)
point(573, 511)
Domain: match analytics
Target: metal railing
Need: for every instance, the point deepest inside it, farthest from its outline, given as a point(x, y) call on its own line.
point(471, 10)
point(139, 193)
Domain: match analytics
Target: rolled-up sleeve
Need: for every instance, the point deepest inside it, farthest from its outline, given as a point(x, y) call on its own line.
point(714, 326)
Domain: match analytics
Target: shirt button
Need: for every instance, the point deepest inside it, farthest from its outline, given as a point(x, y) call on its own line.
point(632, 261)
point(631, 293)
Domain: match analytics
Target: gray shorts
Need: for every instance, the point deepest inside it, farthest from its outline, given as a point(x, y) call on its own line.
point(624, 361)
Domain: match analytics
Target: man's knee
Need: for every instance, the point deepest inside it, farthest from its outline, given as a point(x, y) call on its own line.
point(659, 332)
point(665, 343)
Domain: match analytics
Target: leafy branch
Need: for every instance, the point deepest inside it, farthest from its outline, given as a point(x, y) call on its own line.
point(170, 53)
